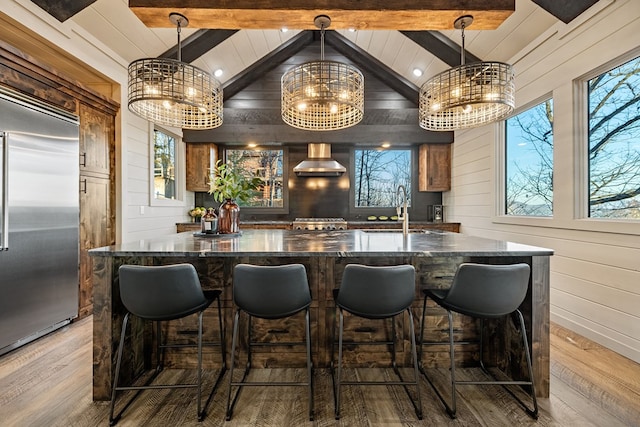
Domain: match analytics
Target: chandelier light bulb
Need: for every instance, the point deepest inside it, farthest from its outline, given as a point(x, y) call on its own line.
point(151, 90)
point(191, 92)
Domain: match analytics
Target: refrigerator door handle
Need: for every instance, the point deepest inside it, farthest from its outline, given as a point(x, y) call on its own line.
point(4, 212)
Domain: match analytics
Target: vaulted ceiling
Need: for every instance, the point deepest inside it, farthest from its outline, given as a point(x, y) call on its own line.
point(387, 45)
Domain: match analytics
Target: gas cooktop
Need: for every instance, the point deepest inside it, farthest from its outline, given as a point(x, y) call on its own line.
point(318, 224)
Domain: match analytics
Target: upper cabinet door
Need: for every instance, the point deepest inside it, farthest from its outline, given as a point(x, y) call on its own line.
point(201, 159)
point(96, 133)
point(434, 173)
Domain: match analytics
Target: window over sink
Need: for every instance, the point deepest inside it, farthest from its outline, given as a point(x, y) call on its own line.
point(377, 174)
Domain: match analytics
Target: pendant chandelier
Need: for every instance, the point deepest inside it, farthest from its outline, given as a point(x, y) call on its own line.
point(468, 95)
point(322, 95)
point(174, 93)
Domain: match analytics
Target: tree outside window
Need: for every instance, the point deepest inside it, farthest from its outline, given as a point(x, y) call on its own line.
point(377, 175)
point(268, 166)
point(614, 142)
point(529, 162)
point(164, 165)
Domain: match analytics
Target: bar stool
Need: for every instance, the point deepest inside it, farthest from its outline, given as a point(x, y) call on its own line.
point(164, 293)
point(486, 292)
point(269, 292)
point(375, 293)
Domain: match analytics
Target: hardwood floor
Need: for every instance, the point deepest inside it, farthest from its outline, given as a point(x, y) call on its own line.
point(48, 383)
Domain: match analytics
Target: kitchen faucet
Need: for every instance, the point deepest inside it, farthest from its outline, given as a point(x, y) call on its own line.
point(404, 215)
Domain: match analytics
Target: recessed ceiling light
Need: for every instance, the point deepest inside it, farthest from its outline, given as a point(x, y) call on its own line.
point(417, 72)
point(385, 145)
point(252, 145)
point(352, 30)
point(218, 72)
point(284, 29)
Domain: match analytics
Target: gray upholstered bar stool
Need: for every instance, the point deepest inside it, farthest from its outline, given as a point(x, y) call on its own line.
point(486, 292)
point(164, 293)
point(269, 292)
point(375, 293)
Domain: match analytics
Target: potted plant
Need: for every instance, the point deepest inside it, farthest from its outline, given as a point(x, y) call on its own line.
point(228, 185)
point(197, 213)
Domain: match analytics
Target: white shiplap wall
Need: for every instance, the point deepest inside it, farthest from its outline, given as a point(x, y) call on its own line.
point(595, 272)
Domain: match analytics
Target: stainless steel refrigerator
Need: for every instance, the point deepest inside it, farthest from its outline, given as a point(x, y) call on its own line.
point(39, 216)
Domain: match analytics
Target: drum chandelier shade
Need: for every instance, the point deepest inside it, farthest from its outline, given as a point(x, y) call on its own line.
point(322, 95)
point(468, 95)
point(173, 93)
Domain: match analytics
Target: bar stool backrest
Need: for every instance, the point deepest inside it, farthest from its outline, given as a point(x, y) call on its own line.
point(271, 292)
point(376, 292)
point(161, 292)
point(483, 290)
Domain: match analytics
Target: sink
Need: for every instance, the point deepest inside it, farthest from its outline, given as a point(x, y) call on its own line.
point(394, 230)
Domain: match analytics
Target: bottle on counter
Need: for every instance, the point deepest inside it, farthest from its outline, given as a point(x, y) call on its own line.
point(209, 222)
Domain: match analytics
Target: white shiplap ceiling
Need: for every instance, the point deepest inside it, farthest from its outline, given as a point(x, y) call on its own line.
point(111, 22)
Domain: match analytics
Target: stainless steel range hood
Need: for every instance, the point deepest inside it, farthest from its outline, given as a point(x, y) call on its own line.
point(319, 162)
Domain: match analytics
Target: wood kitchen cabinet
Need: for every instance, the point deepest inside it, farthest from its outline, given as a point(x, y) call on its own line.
point(434, 170)
point(201, 158)
point(97, 195)
point(96, 129)
point(96, 230)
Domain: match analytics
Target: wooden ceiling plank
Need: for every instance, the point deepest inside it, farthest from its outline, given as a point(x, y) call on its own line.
point(299, 14)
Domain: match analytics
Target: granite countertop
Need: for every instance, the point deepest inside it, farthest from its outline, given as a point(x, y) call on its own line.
point(344, 243)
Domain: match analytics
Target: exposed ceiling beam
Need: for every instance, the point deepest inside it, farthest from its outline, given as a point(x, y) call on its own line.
point(367, 62)
point(299, 14)
point(441, 46)
point(63, 9)
point(566, 11)
point(267, 63)
point(198, 43)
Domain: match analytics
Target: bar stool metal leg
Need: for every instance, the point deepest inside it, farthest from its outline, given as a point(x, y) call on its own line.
point(231, 366)
point(309, 364)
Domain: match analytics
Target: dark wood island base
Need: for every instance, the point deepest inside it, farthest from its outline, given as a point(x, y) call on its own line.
point(435, 256)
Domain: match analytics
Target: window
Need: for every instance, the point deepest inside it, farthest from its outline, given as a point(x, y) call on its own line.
point(377, 175)
point(165, 163)
point(529, 162)
point(266, 164)
point(614, 142)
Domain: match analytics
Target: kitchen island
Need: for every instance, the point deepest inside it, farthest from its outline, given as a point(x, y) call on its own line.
point(434, 254)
